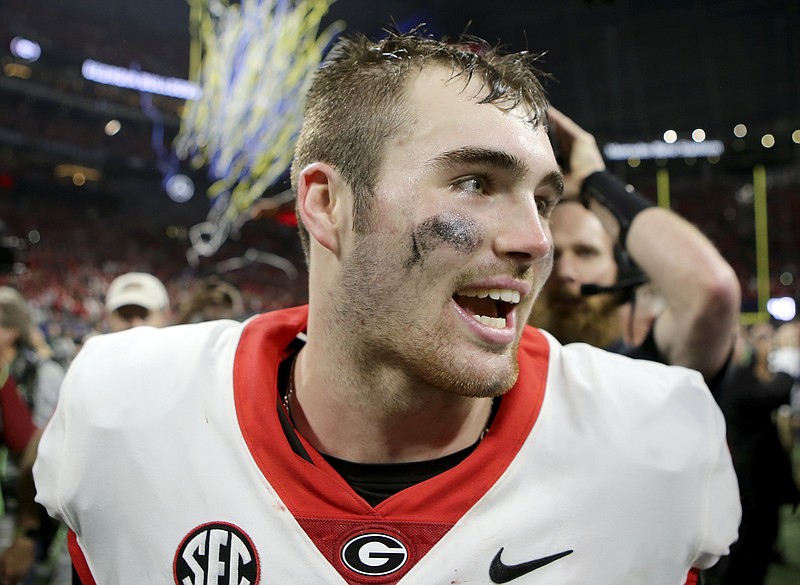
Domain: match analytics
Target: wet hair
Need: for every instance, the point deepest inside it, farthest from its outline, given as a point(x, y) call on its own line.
point(357, 101)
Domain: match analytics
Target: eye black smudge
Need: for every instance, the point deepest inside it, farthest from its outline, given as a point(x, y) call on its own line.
point(416, 256)
point(457, 232)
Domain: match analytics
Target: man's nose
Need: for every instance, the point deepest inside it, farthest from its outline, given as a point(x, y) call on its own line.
point(564, 267)
point(523, 233)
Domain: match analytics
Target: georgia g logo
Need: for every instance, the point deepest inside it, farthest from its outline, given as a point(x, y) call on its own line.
point(216, 553)
point(374, 554)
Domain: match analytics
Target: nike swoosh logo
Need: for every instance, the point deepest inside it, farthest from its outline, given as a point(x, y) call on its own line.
point(499, 572)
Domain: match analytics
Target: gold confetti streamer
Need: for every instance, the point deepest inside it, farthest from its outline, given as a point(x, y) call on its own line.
point(253, 61)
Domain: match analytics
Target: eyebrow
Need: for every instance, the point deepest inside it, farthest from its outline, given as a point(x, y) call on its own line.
point(554, 179)
point(498, 159)
point(486, 156)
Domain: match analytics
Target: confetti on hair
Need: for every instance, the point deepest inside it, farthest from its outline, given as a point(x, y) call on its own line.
point(253, 61)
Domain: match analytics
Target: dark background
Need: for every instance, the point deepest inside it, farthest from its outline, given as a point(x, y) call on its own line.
point(626, 70)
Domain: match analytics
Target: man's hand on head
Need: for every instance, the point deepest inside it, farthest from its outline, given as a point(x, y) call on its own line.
point(580, 152)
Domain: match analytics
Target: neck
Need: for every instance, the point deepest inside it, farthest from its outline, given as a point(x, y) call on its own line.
point(379, 416)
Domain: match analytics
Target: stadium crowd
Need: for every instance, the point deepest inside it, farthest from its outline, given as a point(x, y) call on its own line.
point(65, 272)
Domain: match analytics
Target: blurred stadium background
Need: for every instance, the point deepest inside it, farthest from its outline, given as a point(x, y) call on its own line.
point(696, 102)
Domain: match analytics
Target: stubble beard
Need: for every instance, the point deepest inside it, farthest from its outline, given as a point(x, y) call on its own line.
point(375, 310)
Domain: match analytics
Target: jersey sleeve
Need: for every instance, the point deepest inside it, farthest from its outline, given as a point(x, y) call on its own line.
point(53, 463)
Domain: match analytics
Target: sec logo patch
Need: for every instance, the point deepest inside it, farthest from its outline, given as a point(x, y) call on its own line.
point(216, 553)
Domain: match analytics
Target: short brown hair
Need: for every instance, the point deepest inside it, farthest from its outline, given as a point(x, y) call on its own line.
point(356, 101)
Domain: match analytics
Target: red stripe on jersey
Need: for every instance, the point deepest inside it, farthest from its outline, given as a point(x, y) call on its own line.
point(322, 502)
point(693, 578)
point(78, 560)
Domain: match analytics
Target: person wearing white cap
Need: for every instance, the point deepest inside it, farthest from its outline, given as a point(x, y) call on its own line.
point(135, 299)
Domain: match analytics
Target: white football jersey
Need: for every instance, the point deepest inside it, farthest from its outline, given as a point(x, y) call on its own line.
point(168, 460)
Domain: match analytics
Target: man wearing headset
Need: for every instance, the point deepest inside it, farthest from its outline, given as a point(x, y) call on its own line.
point(609, 240)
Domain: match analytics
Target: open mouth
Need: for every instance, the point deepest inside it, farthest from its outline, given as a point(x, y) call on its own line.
point(490, 306)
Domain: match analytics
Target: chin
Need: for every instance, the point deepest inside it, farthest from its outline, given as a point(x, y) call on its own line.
point(490, 381)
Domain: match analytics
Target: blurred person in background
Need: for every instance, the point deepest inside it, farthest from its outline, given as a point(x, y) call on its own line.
point(135, 299)
point(38, 376)
point(211, 298)
point(785, 357)
point(785, 354)
point(59, 343)
point(23, 347)
point(608, 240)
point(753, 389)
point(21, 516)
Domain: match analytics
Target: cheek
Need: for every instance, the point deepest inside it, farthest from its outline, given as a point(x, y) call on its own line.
point(456, 232)
point(116, 323)
point(604, 271)
point(155, 319)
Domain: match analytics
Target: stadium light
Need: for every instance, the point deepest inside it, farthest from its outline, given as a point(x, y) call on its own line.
point(139, 80)
point(661, 149)
point(782, 308)
point(25, 49)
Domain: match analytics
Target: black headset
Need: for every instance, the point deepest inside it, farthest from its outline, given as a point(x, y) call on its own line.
point(629, 278)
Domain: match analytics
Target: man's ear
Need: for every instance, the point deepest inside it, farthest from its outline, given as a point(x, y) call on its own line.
point(319, 190)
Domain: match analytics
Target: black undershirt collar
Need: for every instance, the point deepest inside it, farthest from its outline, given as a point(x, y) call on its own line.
point(374, 482)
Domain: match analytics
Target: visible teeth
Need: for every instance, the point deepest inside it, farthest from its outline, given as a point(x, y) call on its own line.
point(496, 322)
point(498, 294)
point(512, 296)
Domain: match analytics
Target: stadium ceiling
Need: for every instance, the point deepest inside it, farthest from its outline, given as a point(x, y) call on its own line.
point(625, 69)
